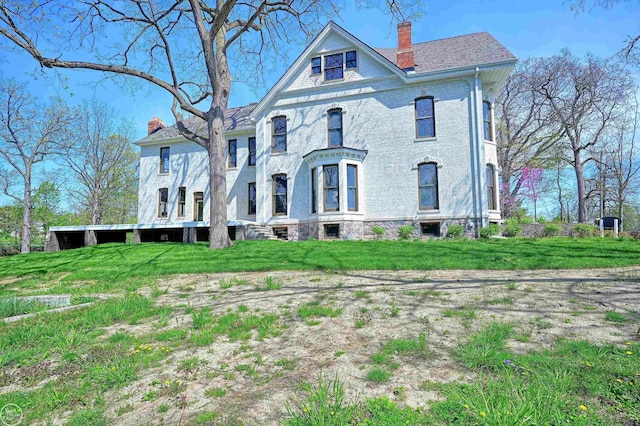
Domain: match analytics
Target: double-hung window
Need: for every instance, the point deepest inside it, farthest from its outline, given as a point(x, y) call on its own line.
point(425, 118)
point(331, 188)
point(182, 201)
point(486, 118)
point(491, 188)
point(428, 186)
point(316, 65)
point(333, 67)
point(279, 189)
point(335, 127)
point(252, 198)
point(352, 187)
point(233, 153)
point(252, 151)
point(163, 200)
point(351, 59)
point(313, 191)
point(164, 159)
point(279, 134)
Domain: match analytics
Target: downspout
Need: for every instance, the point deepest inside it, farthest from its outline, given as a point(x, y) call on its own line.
point(478, 201)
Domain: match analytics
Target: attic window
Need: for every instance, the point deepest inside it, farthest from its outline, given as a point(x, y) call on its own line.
point(316, 65)
point(333, 67)
point(352, 59)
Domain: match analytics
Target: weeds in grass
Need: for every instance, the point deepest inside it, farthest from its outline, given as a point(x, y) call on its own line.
point(287, 364)
point(500, 301)
point(202, 318)
point(378, 375)
point(231, 282)
point(189, 365)
point(16, 306)
point(486, 349)
point(466, 313)
point(615, 317)
point(215, 392)
point(541, 324)
point(574, 383)
point(395, 309)
point(321, 404)
point(314, 310)
point(512, 286)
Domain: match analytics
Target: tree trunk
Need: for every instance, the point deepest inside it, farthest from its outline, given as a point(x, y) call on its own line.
point(582, 187)
point(218, 231)
point(96, 209)
point(26, 216)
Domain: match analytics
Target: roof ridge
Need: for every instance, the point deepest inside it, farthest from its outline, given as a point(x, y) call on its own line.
point(437, 39)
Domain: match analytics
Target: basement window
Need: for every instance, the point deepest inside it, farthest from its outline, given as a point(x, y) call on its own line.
point(331, 231)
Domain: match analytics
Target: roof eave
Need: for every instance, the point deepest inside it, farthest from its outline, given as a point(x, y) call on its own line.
point(457, 71)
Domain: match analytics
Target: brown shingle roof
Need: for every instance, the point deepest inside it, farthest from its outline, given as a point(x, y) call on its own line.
point(235, 119)
point(454, 52)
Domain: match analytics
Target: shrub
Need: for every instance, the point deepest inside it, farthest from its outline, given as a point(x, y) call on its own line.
point(490, 231)
point(541, 219)
point(552, 229)
point(512, 229)
point(526, 220)
point(582, 230)
point(406, 232)
point(378, 231)
point(455, 231)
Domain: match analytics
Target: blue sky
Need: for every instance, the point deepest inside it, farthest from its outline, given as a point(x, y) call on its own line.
point(539, 28)
point(526, 28)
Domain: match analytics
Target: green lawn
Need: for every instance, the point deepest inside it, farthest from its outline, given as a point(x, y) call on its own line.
point(111, 265)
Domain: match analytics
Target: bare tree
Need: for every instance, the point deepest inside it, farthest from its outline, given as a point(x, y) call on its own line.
point(524, 132)
point(184, 47)
point(622, 159)
point(29, 132)
point(584, 97)
point(631, 51)
point(102, 161)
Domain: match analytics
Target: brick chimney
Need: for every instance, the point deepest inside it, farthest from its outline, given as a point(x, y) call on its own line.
point(404, 56)
point(154, 125)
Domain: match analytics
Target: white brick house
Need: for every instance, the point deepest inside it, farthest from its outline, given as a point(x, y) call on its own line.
point(349, 138)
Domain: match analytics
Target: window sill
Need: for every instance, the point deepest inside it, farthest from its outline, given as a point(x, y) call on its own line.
point(490, 142)
point(336, 80)
point(163, 173)
point(232, 168)
point(428, 211)
point(278, 153)
point(429, 139)
point(251, 165)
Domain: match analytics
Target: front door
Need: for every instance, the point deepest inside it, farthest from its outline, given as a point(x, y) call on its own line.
point(198, 210)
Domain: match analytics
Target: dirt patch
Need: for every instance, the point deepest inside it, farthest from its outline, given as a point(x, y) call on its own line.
point(255, 378)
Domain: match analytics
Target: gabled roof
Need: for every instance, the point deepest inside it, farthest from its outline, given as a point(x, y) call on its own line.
point(454, 52)
point(236, 119)
point(331, 27)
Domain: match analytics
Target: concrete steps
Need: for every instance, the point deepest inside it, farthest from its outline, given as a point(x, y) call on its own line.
point(259, 232)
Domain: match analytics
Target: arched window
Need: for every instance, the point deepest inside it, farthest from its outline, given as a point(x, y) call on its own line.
point(492, 199)
point(425, 118)
point(428, 186)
